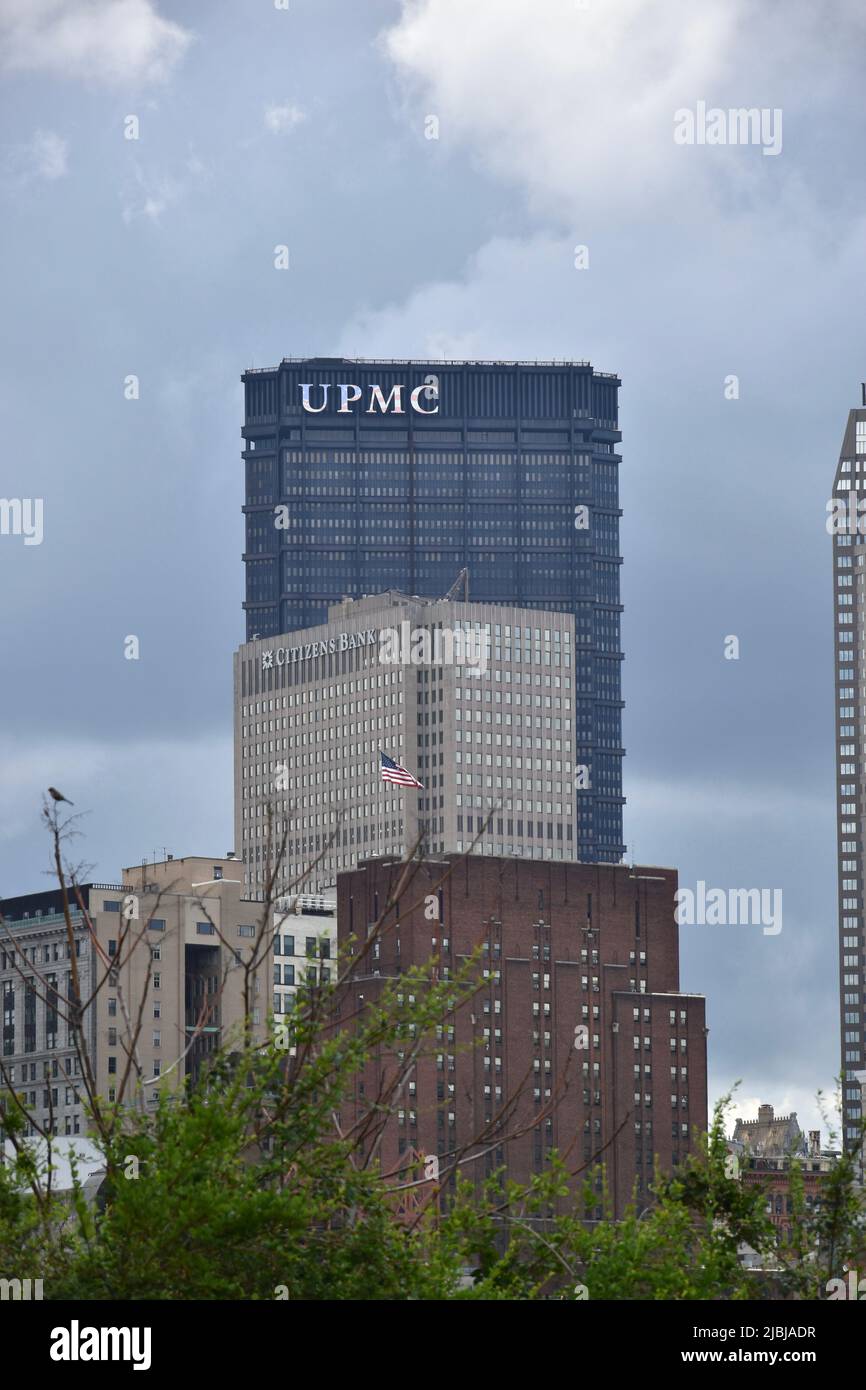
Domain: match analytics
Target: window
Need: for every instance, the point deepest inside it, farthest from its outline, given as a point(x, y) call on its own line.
point(156, 952)
point(205, 928)
point(251, 931)
point(112, 1066)
point(156, 924)
point(112, 1008)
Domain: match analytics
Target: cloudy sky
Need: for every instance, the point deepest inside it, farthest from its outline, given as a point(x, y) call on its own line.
point(306, 124)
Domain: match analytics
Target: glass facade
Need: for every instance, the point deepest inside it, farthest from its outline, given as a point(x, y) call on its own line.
point(508, 470)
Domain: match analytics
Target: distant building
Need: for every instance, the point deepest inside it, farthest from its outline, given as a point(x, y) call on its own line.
point(770, 1134)
point(580, 1020)
point(764, 1152)
point(151, 943)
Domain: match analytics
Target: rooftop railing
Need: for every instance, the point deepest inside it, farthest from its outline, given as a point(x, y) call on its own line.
point(437, 361)
point(48, 919)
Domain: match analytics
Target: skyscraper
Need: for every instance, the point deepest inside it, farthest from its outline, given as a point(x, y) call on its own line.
point(363, 476)
point(849, 577)
point(489, 730)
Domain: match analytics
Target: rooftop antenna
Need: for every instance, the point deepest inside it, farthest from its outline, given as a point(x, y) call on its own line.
point(461, 582)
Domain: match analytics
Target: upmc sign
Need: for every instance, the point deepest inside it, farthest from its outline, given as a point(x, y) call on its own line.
point(378, 403)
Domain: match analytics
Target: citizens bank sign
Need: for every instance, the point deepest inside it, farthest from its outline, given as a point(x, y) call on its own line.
point(378, 403)
point(343, 642)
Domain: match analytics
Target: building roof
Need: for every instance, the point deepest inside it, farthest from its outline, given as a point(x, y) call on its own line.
point(770, 1135)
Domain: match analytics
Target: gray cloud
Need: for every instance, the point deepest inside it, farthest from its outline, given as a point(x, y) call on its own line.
point(105, 41)
point(43, 156)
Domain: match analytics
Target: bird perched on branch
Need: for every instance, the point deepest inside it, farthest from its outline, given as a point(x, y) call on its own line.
point(58, 796)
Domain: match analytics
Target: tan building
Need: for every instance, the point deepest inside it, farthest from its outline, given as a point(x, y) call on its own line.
point(162, 954)
point(475, 699)
point(770, 1134)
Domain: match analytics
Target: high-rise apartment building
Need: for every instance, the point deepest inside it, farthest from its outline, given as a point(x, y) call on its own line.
point(848, 524)
point(165, 946)
point(579, 1038)
point(363, 476)
point(476, 699)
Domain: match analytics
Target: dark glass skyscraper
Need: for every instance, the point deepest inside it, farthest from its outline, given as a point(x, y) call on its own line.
point(363, 476)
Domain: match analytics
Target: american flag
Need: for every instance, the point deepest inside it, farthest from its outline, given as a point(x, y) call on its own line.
point(393, 772)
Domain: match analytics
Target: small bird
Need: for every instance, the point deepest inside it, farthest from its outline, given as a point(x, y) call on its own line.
point(58, 796)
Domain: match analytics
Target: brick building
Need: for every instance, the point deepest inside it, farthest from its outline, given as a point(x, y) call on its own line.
point(579, 1019)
